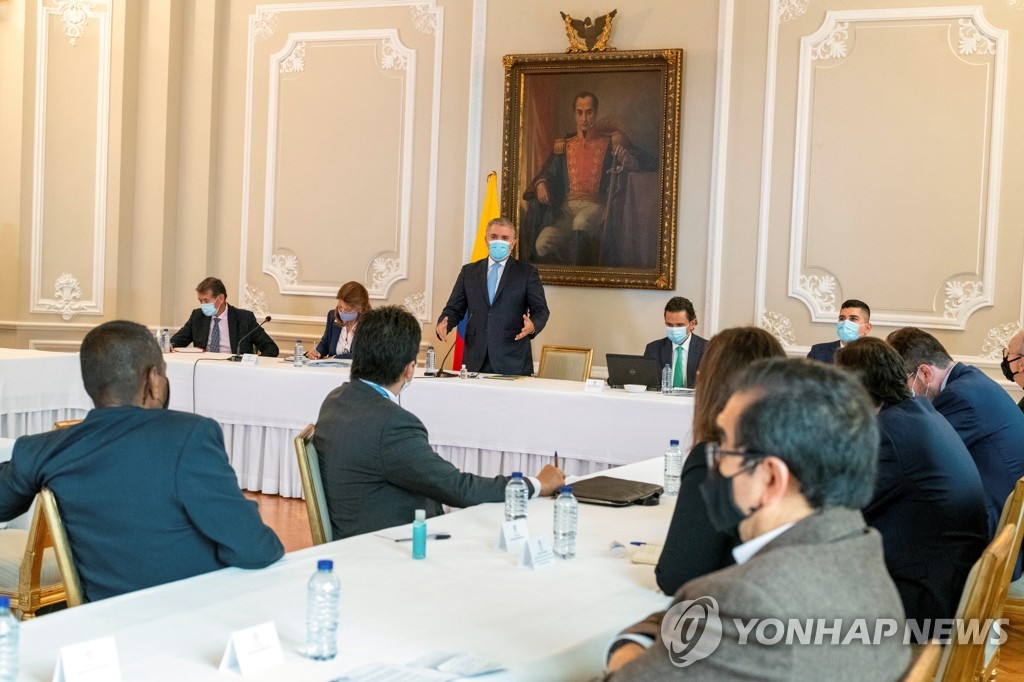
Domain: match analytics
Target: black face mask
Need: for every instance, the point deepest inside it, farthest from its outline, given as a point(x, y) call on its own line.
point(724, 514)
point(1007, 372)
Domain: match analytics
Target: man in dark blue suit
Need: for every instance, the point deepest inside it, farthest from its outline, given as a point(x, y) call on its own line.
point(680, 348)
point(505, 301)
point(146, 494)
point(987, 420)
point(929, 503)
point(219, 327)
point(854, 322)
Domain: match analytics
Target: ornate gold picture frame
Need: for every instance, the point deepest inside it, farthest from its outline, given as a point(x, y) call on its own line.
point(589, 165)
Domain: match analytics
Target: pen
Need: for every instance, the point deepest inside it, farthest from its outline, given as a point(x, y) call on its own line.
point(556, 459)
point(638, 544)
point(435, 536)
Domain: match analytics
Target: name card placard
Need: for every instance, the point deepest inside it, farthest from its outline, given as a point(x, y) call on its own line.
point(252, 650)
point(512, 536)
point(250, 359)
point(92, 661)
point(537, 553)
point(594, 386)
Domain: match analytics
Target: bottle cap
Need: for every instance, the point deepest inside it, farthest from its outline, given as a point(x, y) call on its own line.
point(517, 474)
point(298, 340)
point(430, 348)
point(421, 514)
point(566, 489)
point(325, 565)
point(673, 442)
point(5, 601)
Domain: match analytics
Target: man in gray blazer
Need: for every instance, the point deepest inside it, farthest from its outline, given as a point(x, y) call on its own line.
point(378, 467)
point(796, 461)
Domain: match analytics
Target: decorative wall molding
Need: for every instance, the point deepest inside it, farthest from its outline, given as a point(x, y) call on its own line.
point(392, 55)
point(261, 26)
point(779, 326)
point(295, 62)
point(997, 339)
point(424, 17)
point(256, 300)
point(74, 14)
point(67, 293)
point(77, 13)
point(962, 300)
point(1019, 4)
point(417, 305)
point(284, 267)
point(383, 271)
point(788, 10)
point(819, 292)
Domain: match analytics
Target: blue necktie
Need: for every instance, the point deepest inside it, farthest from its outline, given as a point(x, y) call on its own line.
point(492, 281)
point(215, 337)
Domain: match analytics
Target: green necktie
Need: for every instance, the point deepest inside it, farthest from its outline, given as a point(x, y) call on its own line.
point(677, 379)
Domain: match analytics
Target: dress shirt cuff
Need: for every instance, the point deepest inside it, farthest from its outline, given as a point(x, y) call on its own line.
point(626, 638)
point(535, 482)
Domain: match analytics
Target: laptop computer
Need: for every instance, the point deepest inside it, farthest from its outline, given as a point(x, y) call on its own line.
point(633, 369)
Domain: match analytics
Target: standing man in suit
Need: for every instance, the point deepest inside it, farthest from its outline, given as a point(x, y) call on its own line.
point(146, 494)
point(795, 464)
point(929, 504)
point(505, 301)
point(981, 412)
point(218, 326)
point(680, 348)
point(854, 322)
point(1013, 362)
point(377, 464)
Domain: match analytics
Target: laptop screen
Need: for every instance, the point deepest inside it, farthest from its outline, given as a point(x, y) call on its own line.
point(633, 369)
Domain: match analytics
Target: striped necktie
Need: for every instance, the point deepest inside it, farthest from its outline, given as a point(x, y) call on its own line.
point(215, 337)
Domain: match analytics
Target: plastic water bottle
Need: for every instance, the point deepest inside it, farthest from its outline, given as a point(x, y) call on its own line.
point(299, 351)
point(516, 497)
point(431, 361)
point(566, 511)
point(8, 642)
point(322, 612)
point(673, 467)
point(666, 379)
point(419, 535)
point(463, 374)
point(165, 340)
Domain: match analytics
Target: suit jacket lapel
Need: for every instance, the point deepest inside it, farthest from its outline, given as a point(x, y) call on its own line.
point(666, 351)
point(506, 272)
point(481, 278)
point(232, 328)
point(202, 331)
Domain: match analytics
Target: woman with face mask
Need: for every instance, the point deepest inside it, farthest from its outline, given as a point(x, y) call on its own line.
point(693, 547)
point(353, 301)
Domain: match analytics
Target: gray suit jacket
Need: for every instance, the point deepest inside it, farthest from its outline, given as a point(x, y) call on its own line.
point(827, 566)
point(378, 467)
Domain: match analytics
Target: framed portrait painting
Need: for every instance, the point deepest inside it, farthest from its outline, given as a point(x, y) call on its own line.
point(589, 165)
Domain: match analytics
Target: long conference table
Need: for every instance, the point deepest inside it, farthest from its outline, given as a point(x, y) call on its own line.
point(483, 426)
point(552, 623)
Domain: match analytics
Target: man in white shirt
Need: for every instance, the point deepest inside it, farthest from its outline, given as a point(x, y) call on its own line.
point(681, 348)
point(219, 327)
point(796, 462)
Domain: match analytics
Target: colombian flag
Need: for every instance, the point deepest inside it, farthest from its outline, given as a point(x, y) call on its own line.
point(489, 212)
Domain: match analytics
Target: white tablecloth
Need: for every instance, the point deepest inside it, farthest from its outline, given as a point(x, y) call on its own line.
point(38, 388)
point(550, 624)
point(484, 426)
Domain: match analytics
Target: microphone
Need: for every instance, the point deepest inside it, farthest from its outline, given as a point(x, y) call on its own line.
point(238, 357)
point(441, 374)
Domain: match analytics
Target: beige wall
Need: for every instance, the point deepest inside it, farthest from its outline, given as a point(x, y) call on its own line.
point(292, 150)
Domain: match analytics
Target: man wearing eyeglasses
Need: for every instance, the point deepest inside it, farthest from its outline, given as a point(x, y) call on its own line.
point(795, 463)
point(1013, 362)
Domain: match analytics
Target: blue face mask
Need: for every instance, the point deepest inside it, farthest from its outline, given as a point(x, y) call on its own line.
point(676, 334)
point(347, 317)
point(209, 309)
point(499, 250)
point(848, 331)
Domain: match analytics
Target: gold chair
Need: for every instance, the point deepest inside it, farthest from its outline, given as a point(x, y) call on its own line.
point(924, 667)
point(565, 362)
point(57, 426)
point(313, 487)
point(61, 548)
point(29, 575)
point(981, 602)
point(1013, 512)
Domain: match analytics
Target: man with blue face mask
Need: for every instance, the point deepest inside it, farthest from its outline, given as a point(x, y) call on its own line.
point(681, 348)
point(504, 300)
point(854, 322)
point(219, 327)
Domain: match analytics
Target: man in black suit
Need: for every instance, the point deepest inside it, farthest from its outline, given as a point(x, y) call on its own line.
point(982, 413)
point(378, 467)
point(681, 347)
point(854, 322)
point(929, 504)
point(218, 326)
point(146, 494)
point(506, 305)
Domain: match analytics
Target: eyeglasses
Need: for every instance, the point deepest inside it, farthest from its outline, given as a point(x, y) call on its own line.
point(1006, 356)
point(715, 452)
